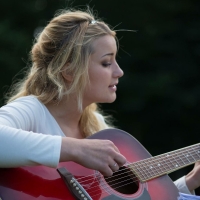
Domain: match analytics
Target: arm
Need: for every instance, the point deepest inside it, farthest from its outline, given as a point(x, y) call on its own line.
point(24, 147)
point(95, 154)
point(193, 178)
point(182, 187)
point(187, 184)
point(20, 148)
point(21, 141)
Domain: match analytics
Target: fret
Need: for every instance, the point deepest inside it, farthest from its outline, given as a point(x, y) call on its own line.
point(170, 161)
point(149, 167)
point(192, 153)
point(138, 171)
point(163, 164)
point(156, 165)
point(166, 163)
point(190, 157)
point(165, 158)
point(196, 153)
point(179, 159)
point(142, 165)
point(146, 169)
point(182, 158)
point(174, 162)
point(186, 156)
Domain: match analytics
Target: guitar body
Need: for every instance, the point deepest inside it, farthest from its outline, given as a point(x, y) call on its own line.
point(42, 183)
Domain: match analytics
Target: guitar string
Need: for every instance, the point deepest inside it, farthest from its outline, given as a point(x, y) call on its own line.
point(134, 178)
point(79, 179)
point(114, 188)
point(113, 185)
point(102, 192)
point(117, 187)
point(157, 158)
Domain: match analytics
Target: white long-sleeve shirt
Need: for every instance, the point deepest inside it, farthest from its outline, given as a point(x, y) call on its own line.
point(26, 130)
point(29, 135)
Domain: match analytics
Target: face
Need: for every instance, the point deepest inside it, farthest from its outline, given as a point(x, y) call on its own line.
point(104, 72)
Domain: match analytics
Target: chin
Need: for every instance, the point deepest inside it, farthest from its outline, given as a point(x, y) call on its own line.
point(107, 100)
point(111, 100)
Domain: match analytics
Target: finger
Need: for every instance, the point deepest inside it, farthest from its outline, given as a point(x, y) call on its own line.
point(114, 167)
point(116, 148)
point(120, 160)
point(107, 172)
point(111, 144)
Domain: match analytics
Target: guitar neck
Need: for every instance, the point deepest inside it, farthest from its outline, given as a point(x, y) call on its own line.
point(153, 167)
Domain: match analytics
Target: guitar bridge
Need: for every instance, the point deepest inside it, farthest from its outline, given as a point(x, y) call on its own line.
point(73, 185)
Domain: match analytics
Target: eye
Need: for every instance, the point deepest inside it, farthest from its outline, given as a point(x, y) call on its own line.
point(106, 64)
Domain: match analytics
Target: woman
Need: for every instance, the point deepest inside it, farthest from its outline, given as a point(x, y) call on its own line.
point(55, 107)
point(59, 95)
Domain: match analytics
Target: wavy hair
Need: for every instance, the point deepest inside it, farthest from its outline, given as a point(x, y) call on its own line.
point(67, 38)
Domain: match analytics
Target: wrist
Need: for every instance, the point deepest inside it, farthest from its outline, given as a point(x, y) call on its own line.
point(191, 181)
point(68, 149)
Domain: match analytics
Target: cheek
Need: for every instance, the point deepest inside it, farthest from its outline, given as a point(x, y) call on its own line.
point(95, 83)
point(94, 77)
point(99, 75)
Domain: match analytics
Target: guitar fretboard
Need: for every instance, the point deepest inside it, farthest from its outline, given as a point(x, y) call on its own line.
point(165, 163)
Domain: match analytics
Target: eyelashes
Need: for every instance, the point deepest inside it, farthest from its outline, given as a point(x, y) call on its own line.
point(106, 64)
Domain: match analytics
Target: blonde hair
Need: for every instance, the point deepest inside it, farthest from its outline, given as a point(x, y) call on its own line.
point(67, 38)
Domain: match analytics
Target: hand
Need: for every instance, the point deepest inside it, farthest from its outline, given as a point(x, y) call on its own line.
point(193, 178)
point(95, 154)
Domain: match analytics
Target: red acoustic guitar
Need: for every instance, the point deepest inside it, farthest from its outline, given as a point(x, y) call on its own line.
point(143, 177)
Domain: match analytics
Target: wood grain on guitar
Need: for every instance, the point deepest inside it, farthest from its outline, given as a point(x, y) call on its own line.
point(143, 177)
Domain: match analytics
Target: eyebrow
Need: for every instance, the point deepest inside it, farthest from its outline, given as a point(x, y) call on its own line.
point(108, 54)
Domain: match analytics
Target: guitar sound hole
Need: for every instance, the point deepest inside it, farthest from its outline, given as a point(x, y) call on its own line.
point(123, 181)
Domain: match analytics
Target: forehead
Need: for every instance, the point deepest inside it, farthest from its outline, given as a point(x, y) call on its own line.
point(104, 45)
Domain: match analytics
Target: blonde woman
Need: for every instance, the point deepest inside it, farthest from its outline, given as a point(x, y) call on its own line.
point(58, 97)
point(49, 114)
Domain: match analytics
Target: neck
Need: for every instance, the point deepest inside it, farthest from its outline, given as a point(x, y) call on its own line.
point(166, 163)
point(67, 115)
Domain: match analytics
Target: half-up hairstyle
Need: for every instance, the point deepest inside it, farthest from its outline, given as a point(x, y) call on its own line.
point(65, 41)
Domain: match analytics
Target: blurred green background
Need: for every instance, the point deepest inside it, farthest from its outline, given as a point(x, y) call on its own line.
point(158, 97)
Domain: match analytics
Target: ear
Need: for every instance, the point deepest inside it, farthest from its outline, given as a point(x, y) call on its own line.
point(68, 77)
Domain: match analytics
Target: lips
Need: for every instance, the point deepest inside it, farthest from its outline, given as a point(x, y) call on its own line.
point(114, 85)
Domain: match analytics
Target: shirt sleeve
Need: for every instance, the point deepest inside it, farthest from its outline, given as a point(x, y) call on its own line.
point(20, 143)
point(24, 148)
point(182, 187)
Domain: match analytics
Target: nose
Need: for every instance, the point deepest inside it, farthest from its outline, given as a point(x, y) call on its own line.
point(118, 72)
